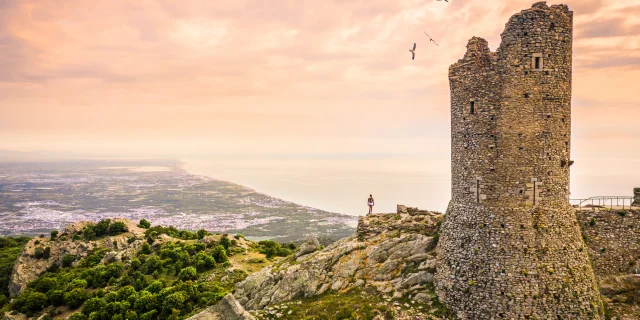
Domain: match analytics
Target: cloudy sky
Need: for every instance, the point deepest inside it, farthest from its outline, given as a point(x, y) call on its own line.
point(286, 78)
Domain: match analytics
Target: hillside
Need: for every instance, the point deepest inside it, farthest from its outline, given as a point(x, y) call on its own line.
point(115, 269)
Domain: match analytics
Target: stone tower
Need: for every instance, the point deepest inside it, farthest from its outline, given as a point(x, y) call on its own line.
point(510, 246)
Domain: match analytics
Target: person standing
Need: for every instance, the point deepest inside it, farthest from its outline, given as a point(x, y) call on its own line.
point(370, 202)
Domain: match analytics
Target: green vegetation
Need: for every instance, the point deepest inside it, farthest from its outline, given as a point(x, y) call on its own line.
point(358, 303)
point(102, 229)
point(10, 249)
point(144, 224)
point(622, 213)
point(272, 248)
point(165, 279)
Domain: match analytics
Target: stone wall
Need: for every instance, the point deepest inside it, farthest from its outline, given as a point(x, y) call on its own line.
point(613, 240)
point(636, 197)
point(510, 245)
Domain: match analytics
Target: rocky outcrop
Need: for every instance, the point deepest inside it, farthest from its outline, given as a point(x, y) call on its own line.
point(227, 309)
point(391, 252)
point(636, 197)
point(311, 246)
point(28, 267)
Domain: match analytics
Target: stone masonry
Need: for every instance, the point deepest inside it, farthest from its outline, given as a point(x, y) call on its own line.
point(611, 237)
point(510, 246)
point(636, 197)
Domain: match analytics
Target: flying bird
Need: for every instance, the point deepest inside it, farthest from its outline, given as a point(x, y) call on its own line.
point(447, 1)
point(430, 39)
point(413, 52)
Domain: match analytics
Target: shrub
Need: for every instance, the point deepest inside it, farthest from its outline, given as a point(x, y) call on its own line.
point(155, 286)
point(67, 260)
point(44, 284)
point(77, 284)
point(35, 301)
point(93, 305)
point(592, 222)
point(54, 235)
point(188, 273)
point(146, 248)
point(38, 253)
point(219, 254)
point(56, 297)
point(75, 298)
point(144, 224)
point(77, 316)
point(238, 236)
point(622, 213)
point(204, 261)
point(225, 242)
point(131, 315)
point(148, 316)
point(145, 302)
point(118, 228)
point(174, 301)
point(3, 300)
point(201, 233)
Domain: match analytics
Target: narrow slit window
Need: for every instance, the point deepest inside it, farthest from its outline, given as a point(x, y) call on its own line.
point(472, 107)
point(537, 62)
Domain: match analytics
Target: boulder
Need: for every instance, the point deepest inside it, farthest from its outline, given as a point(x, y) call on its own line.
point(227, 309)
point(312, 245)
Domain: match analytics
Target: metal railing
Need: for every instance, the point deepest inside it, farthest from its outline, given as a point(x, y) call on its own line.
point(610, 202)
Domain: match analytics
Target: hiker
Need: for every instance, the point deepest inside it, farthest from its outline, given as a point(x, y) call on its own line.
point(370, 203)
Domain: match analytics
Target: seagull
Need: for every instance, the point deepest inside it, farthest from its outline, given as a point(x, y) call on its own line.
point(447, 1)
point(431, 39)
point(413, 51)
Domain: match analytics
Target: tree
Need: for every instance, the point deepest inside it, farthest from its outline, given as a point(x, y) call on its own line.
point(54, 235)
point(36, 301)
point(188, 273)
point(144, 224)
point(202, 233)
point(75, 298)
point(93, 305)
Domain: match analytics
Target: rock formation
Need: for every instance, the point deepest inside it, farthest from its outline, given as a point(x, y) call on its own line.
point(636, 197)
point(391, 252)
point(227, 309)
point(510, 245)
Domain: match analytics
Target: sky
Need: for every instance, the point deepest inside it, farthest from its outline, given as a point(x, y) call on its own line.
point(292, 80)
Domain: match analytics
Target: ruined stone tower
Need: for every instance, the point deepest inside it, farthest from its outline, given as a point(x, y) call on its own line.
point(510, 246)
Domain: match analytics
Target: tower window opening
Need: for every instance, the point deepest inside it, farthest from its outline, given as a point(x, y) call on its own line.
point(538, 62)
point(472, 107)
point(548, 116)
